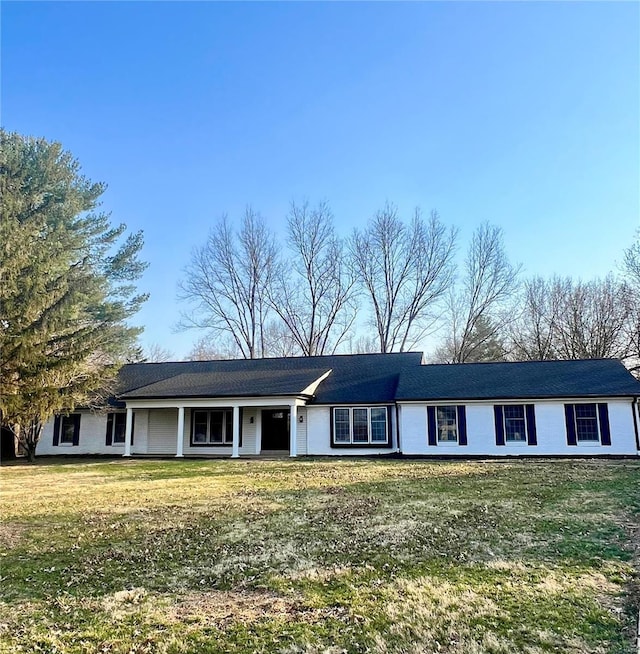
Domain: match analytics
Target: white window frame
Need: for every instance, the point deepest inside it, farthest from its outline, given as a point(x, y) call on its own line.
point(369, 441)
point(455, 413)
point(227, 429)
point(587, 442)
point(115, 443)
point(504, 426)
point(62, 443)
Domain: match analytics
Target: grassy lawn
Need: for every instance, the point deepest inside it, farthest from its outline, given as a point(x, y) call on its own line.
point(320, 556)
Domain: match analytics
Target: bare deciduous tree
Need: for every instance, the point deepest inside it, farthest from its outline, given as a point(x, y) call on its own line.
point(533, 332)
point(156, 353)
point(592, 319)
point(404, 270)
point(567, 319)
point(211, 348)
point(632, 270)
point(226, 283)
point(362, 344)
point(478, 307)
point(313, 291)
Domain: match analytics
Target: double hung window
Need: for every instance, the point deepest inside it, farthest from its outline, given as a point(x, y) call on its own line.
point(515, 425)
point(447, 421)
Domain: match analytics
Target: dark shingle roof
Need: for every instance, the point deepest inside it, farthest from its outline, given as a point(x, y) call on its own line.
point(529, 379)
point(354, 379)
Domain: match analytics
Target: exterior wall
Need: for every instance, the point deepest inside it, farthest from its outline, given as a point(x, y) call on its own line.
point(301, 433)
point(319, 436)
point(550, 428)
point(163, 429)
point(93, 428)
point(140, 433)
point(155, 433)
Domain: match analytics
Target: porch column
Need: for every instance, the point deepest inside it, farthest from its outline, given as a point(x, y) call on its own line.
point(235, 451)
point(128, 430)
point(258, 430)
point(293, 430)
point(180, 434)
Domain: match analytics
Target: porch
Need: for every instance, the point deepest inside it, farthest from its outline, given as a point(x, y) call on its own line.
point(217, 427)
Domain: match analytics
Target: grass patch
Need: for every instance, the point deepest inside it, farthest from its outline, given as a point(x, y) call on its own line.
point(320, 556)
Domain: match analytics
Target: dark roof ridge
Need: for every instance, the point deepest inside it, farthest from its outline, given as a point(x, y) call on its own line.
point(298, 356)
point(496, 363)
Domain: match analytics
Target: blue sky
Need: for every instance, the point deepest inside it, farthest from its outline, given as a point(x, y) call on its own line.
point(523, 114)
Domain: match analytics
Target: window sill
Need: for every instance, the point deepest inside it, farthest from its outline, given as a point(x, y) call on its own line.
point(445, 444)
point(588, 443)
point(360, 445)
point(65, 445)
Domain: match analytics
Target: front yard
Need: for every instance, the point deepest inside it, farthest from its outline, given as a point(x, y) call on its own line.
point(320, 556)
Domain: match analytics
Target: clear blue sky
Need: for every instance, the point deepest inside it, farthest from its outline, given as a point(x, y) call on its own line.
point(523, 114)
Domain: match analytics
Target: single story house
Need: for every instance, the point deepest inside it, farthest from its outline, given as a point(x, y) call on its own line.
point(360, 404)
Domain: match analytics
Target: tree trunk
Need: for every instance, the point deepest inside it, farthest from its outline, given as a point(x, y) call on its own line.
point(29, 437)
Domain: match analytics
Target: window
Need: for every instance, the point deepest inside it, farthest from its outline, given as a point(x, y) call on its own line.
point(116, 428)
point(515, 426)
point(447, 424)
point(360, 426)
point(213, 427)
point(587, 424)
point(66, 429)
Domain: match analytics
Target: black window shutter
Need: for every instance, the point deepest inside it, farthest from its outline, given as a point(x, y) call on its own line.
point(532, 437)
point(56, 430)
point(431, 425)
point(499, 422)
point(241, 418)
point(462, 425)
point(109, 436)
point(76, 428)
point(389, 426)
point(569, 418)
point(133, 426)
point(331, 409)
point(605, 431)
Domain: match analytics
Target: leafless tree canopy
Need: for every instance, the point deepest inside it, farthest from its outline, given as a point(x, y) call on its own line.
point(477, 308)
point(313, 290)
point(212, 348)
point(227, 280)
point(632, 269)
point(567, 319)
point(155, 353)
point(404, 270)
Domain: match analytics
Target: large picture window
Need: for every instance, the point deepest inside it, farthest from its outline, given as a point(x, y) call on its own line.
point(360, 426)
point(212, 427)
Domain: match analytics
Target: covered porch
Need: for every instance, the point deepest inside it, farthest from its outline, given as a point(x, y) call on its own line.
point(231, 427)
